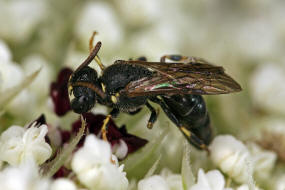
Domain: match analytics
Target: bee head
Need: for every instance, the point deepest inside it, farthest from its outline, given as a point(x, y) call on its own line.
point(82, 104)
point(81, 91)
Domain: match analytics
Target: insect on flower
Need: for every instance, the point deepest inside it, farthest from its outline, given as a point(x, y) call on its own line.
point(127, 86)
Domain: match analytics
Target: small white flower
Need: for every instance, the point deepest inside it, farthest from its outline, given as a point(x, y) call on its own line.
point(120, 149)
point(1, 81)
point(5, 54)
point(262, 88)
point(25, 177)
point(273, 135)
point(212, 180)
point(174, 181)
point(163, 40)
point(21, 16)
point(41, 85)
point(11, 75)
point(263, 160)
point(154, 182)
point(280, 183)
point(138, 13)
point(248, 34)
point(166, 180)
point(17, 145)
point(245, 187)
point(99, 16)
point(94, 168)
point(63, 184)
point(232, 157)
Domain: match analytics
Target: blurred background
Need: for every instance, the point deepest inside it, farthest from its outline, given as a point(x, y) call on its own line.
point(247, 38)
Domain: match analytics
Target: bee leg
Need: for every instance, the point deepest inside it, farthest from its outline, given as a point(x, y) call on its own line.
point(153, 116)
point(179, 58)
point(191, 137)
point(115, 112)
point(104, 129)
point(97, 59)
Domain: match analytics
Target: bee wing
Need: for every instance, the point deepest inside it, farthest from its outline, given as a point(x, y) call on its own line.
point(195, 77)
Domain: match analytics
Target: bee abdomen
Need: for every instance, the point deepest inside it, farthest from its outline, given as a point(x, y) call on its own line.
point(191, 111)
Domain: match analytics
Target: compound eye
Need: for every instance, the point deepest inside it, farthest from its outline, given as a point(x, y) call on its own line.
point(81, 104)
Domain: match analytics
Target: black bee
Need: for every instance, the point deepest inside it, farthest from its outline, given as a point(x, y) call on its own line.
point(176, 86)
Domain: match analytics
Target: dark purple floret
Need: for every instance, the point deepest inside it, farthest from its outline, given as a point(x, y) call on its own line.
point(41, 120)
point(59, 92)
point(62, 172)
point(133, 142)
point(114, 135)
point(65, 136)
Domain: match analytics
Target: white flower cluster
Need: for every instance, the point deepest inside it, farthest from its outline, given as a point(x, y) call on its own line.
point(165, 181)
point(63, 184)
point(12, 74)
point(153, 182)
point(25, 149)
point(232, 157)
point(239, 161)
point(96, 168)
point(19, 145)
point(26, 177)
point(263, 161)
point(109, 30)
point(18, 19)
point(212, 180)
point(268, 80)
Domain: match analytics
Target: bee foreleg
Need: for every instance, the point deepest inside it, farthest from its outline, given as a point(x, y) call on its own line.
point(104, 129)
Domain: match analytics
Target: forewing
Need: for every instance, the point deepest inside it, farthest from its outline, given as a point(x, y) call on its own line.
point(195, 77)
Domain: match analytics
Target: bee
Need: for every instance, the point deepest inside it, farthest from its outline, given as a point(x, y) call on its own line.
point(129, 85)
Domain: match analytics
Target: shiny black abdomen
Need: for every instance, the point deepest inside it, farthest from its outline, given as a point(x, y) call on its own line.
point(192, 113)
